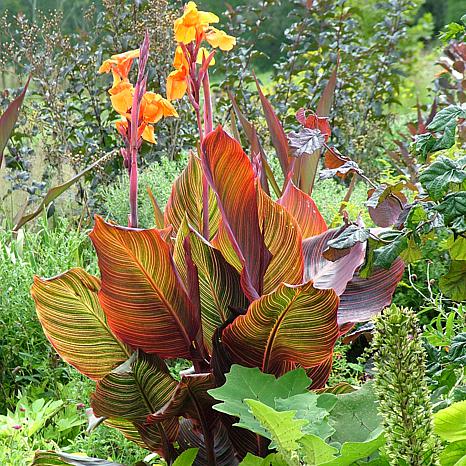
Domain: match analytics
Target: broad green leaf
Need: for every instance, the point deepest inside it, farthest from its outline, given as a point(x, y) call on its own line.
point(454, 454)
point(304, 210)
point(293, 324)
point(55, 192)
point(416, 215)
point(185, 201)
point(315, 451)
point(274, 459)
point(8, 120)
point(423, 144)
point(74, 322)
point(353, 451)
point(453, 284)
point(386, 255)
point(355, 416)
point(349, 237)
point(312, 407)
point(50, 458)
point(445, 116)
point(438, 176)
point(134, 390)
point(447, 140)
point(457, 351)
point(412, 253)
point(141, 292)
point(458, 249)
point(186, 458)
point(453, 206)
point(449, 423)
point(250, 383)
point(284, 429)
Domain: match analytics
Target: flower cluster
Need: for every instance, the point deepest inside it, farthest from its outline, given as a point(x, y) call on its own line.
point(191, 30)
point(153, 107)
point(401, 389)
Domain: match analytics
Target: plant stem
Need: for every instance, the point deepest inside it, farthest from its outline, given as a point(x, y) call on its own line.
point(208, 437)
point(134, 143)
point(208, 120)
point(348, 194)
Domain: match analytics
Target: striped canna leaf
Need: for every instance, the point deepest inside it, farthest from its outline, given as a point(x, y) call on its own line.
point(304, 210)
point(189, 400)
point(142, 294)
point(282, 238)
point(186, 200)
point(219, 285)
point(52, 458)
point(230, 174)
point(73, 320)
point(131, 392)
point(292, 325)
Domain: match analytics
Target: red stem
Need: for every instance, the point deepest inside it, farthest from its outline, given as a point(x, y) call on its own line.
point(208, 119)
point(134, 139)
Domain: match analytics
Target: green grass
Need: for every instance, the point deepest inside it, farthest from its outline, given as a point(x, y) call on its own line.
point(158, 177)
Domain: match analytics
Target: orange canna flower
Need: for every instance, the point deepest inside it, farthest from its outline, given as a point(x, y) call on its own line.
point(119, 64)
point(154, 107)
point(122, 96)
point(202, 55)
point(177, 83)
point(192, 22)
point(148, 133)
point(180, 60)
point(122, 127)
point(219, 39)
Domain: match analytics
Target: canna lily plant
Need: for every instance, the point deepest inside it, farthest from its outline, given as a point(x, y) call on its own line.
point(232, 276)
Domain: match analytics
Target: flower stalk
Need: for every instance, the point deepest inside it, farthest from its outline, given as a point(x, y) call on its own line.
point(135, 140)
point(401, 389)
point(139, 109)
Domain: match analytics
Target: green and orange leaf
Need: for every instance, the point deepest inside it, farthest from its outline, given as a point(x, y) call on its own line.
point(141, 292)
point(134, 390)
point(186, 200)
point(190, 400)
point(293, 324)
point(282, 238)
point(230, 174)
point(219, 286)
point(74, 322)
point(304, 210)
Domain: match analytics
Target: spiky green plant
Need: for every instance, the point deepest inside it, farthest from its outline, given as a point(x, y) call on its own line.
point(401, 389)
